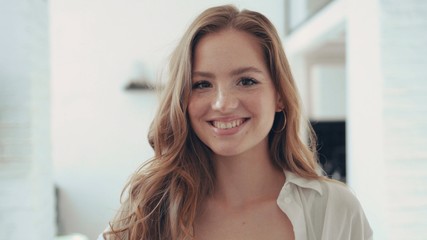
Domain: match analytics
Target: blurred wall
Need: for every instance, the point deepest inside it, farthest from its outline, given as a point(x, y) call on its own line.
point(382, 44)
point(26, 186)
point(387, 98)
point(327, 92)
point(98, 129)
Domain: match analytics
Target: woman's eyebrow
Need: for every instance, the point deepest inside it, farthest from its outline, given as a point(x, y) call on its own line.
point(242, 70)
point(203, 74)
point(234, 72)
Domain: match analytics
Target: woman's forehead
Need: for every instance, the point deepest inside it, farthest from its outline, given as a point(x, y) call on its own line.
point(228, 49)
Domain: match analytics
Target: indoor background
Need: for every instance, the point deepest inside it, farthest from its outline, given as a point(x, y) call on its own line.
point(78, 92)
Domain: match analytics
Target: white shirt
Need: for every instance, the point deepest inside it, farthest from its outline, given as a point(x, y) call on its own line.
point(321, 210)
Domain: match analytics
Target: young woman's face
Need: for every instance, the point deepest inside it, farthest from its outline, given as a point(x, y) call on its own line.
point(233, 99)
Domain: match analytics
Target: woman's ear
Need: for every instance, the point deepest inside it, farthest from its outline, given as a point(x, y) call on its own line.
point(279, 104)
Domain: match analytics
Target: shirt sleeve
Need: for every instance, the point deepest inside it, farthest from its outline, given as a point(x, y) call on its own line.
point(101, 236)
point(360, 228)
point(345, 217)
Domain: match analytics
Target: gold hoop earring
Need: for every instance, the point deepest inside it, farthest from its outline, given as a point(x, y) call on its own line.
point(284, 122)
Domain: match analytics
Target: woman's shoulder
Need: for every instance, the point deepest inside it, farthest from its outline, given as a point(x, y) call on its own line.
point(101, 235)
point(323, 188)
point(331, 208)
point(344, 210)
point(340, 195)
point(325, 193)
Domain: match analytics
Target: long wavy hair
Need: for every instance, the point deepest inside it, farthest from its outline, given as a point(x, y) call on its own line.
point(162, 199)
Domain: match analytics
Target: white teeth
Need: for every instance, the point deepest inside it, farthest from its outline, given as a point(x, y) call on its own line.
point(227, 125)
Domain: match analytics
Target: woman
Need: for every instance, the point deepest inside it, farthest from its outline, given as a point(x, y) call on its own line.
point(229, 160)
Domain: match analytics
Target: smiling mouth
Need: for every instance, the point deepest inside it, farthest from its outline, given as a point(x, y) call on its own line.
point(228, 124)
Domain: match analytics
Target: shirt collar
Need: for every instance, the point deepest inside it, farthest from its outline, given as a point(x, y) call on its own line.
point(303, 182)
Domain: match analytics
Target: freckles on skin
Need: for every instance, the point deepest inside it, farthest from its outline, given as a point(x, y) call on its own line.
point(231, 81)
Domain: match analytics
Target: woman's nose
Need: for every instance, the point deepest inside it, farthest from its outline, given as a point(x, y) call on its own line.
point(225, 101)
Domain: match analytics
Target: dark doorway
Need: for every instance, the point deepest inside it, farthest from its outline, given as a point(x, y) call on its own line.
point(331, 147)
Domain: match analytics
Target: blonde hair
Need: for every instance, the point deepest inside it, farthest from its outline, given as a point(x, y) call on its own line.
point(164, 195)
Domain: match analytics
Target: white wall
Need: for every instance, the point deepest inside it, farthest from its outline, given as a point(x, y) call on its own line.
point(365, 149)
point(404, 64)
point(98, 129)
point(27, 208)
point(318, 41)
point(328, 92)
point(385, 112)
point(387, 130)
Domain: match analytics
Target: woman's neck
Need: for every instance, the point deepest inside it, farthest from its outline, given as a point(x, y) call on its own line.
point(246, 179)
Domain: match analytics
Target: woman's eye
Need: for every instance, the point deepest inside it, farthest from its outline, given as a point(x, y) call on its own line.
point(247, 82)
point(201, 85)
